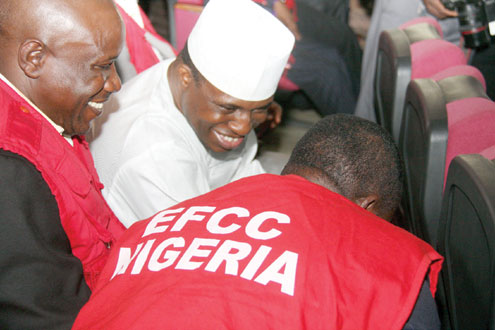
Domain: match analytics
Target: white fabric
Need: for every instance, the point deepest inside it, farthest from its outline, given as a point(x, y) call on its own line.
point(148, 156)
point(238, 38)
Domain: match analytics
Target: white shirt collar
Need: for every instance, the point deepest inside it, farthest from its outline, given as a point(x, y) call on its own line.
point(59, 129)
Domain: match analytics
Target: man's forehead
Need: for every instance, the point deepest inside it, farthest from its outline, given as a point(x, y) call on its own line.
point(224, 99)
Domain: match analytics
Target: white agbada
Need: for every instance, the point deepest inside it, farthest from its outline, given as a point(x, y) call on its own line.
point(149, 157)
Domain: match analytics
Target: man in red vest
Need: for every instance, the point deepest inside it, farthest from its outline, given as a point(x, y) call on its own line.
point(56, 71)
point(305, 250)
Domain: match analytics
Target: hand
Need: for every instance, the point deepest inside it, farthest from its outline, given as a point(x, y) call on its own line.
point(285, 16)
point(437, 9)
point(272, 120)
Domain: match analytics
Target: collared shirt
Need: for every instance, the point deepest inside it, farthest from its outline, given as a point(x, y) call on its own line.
point(149, 157)
point(59, 129)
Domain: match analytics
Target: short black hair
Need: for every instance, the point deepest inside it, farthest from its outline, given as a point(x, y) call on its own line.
point(356, 155)
point(186, 59)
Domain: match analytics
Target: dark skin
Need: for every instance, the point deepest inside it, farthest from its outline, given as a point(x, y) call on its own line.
point(65, 66)
point(220, 121)
point(370, 201)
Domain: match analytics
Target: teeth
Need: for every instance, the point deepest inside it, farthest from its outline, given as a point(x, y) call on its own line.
point(96, 105)
point(230, 139)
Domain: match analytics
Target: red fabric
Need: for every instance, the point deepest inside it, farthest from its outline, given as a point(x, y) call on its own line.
point(343, 268)
point(471, 126)
point(88, 222)
point(291, 4)
point(141, 53)
point(185, 19)
point(432, 56)
point(423, 19)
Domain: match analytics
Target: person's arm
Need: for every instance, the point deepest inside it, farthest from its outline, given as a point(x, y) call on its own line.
point(424, 315)
point(437, 9)
point(159, 177)
point(41, 282)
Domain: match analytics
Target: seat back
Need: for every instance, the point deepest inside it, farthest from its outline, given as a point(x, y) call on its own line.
point(186, 13)
point(414, 50)
point(467, 241)
point(433, 131)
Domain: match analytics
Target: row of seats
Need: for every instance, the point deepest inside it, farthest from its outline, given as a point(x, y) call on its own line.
point(436, 107)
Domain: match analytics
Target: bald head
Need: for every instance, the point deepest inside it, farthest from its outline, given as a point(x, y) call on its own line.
point(53, 22)
point(60, 55)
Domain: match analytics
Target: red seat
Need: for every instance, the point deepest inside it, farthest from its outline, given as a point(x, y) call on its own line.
point(442, 118)
point(471, 125)
point(415, 50)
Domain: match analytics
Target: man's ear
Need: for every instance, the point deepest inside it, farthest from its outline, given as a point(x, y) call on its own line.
point(185, 75)
point(368, 203)
point(31, 57)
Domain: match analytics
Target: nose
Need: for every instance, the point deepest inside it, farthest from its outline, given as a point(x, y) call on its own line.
point(113, 83)
point(241, 124)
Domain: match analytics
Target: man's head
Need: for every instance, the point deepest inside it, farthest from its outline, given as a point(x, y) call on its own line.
point(224, 79)
point(353, 157)
point(60, 54)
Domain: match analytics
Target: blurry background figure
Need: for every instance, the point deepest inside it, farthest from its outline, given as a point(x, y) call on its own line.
point(144, 47)
point(327, 57)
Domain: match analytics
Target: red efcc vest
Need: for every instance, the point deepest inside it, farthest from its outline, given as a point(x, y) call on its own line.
point(141, 53)
point(87, 220)
point(264, 252)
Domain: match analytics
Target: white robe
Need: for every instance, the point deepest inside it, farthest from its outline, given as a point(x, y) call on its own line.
point(149, 157)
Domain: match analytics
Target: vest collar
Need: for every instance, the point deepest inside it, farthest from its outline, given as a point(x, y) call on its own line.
point(59, 129)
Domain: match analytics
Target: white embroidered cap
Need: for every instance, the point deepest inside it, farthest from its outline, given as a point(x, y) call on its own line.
point(240, 48)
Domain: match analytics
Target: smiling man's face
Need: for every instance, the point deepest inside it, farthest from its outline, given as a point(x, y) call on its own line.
point(220, 121)
point(78, 51)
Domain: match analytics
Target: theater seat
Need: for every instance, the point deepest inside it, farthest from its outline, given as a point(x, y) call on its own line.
point(414, 50)
point(467, 241)
point(442, 119)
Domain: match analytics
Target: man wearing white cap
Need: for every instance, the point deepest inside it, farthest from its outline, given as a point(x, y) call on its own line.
point(185, 126)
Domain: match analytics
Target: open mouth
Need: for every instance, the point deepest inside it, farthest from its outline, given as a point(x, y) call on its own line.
point(228, 142)
point(97, 107)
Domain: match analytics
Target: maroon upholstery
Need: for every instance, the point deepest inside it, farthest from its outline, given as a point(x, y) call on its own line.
point(471, 125)
point(429, 57)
